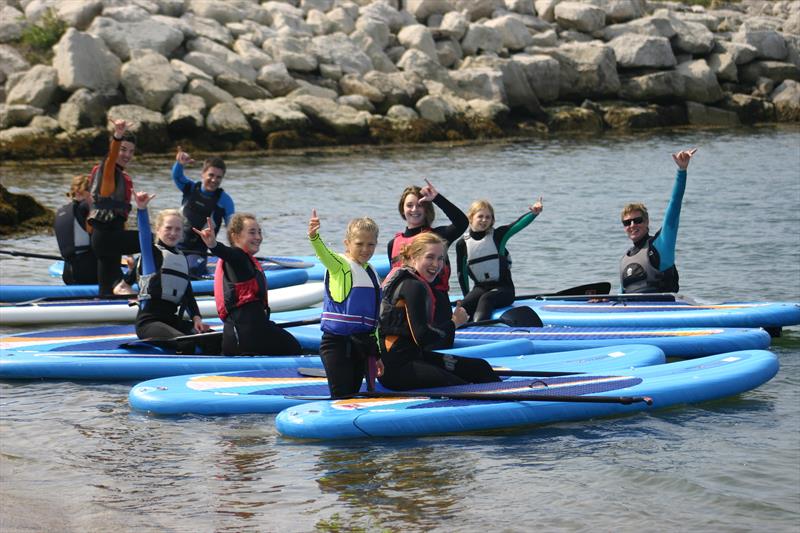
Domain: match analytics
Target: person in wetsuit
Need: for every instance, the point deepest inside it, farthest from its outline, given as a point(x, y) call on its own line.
point(165, 290)
point(416, 208)
point(482, 256)
point(111, 189)
point(349, 318)
point(72, 235)
point(240, 291)
point(649, 265)
point(201, 200)
point(416, 318)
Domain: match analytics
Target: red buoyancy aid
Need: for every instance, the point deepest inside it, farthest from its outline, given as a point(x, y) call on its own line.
point(229, 295)
point(400, 241)
point(392, 316)
point(114, 207)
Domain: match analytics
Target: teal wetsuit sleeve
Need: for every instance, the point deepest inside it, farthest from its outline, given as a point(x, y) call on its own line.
point(504, 233)
point(664, 243)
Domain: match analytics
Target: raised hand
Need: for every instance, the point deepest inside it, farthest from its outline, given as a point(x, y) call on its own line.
point(183, 158)
point(207, 234)
point(313, 224)
point(142, 199)
point(120, 127)
point(537, 207)
point(683, 157)
point(428, 192)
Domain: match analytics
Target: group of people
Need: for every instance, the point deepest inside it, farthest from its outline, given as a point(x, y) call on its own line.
point(389, 330)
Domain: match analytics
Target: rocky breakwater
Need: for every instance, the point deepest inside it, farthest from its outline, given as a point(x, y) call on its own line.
point(243, 74)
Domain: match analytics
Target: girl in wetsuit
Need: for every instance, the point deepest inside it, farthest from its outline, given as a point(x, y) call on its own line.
point(481, 255)
point(416, 318)
point(416, 208)
point(165, 291)
point(240, 290)
point(350, 311)
point(72, 236)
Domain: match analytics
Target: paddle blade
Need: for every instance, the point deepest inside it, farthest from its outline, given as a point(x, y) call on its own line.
point(521, 317)
point(602, 287)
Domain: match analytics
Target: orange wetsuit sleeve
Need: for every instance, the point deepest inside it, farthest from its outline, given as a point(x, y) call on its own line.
point(108, 183)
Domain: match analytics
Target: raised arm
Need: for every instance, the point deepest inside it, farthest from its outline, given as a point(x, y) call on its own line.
point(664, 243)
point(109, 167)
point(145, 233)
point(178, 177)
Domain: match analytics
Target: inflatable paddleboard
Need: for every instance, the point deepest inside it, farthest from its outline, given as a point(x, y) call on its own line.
point(679, 314)
point(67, 311)
point(675, 342)
point(269, 391)
point(23, 293)
point(691, 381)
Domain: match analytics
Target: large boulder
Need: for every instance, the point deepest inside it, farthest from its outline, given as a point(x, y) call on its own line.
point(701, 83)
point(233, 62)
point(337, 49)
point(83, 60)
point(481, 38)
point(149, 80)
point(768, 43)
point(397, 87)
point(543, 73)
point(422, 9)
point(480, 83)
point(330, 116)
point(252, 54)
point(655, 86)
point(388, 14)
point(350, 84)
point(586, 70)
point(85, 109)
point(79, 14)
point(227, 120)
point(185, 114)
point(423, 65)
point(37, 87)
point(124, 37)
point(750, 109)
point(11, 61)
point(514, 35)
point(741, 52)
point(267, 116)
point(276, 79)
point(418, 37)
point(656, 25)
point(579, 16)
point(293, 51)
point(455, 24)
point(222, 12)
point(621, 10)
point(786, 98)
point(703, 115)
point(724, 66)
point(210, 93)
point(516, 85)
point(17, 115)
point(148, 126)
point(241, 88)
point(776, 71)
point(193, 26)
point(633, 50)
point(691, 37)
point(10, 25)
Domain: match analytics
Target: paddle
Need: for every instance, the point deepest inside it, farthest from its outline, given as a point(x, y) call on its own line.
point(516, 317)
point(29, 254)
point(320, 373)
point(625, 400)
point(588, 290)
point(626, 297)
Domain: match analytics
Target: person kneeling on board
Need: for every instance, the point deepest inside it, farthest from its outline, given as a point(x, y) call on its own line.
point(163, 276)
point(416, 318)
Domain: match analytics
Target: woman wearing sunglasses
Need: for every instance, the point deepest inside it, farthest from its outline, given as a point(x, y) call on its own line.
point(649, 265)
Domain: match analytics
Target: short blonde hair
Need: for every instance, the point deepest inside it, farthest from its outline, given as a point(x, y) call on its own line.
point(418, 245)
point(630, 208)
point(476, 206)
point(357, 225)
point(166, 213)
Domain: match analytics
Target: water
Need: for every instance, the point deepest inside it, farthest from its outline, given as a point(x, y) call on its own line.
point(74, 457)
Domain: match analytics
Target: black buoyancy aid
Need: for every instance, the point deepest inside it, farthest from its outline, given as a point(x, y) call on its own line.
point(70, 230)
point(197, 208)
point(115, 207)
point(639, 270)
point(229, 295)
point(401, 240)
point(170, 281)
point(392, 316)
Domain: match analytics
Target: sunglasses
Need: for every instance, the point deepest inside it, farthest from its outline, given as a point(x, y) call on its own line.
point(636, 220)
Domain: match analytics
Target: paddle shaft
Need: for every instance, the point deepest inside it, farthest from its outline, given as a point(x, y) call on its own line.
point(30, 254)
point(589, 290)
point(214, 334)
point(320, 373)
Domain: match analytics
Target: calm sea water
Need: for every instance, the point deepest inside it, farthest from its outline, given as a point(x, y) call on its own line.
point(73, 457)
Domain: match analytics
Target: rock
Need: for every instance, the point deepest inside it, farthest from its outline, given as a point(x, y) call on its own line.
point(419, 38)
point(85, 109)
point(122, 38)
point(586, 70)
point(434, 109)
point(148, 126)
point(477, 9)
point(209, 64)
point(775, 70)
point(131, 13)
point(709, 20)
point(227, 120)
point(546, 9)
point(481, 38)
point(190, 71)
point(232, 62)
point(356, 101)
point(319, 23)
point(741, 52)
point(21, 213)
point(769, 44)
point(455, 24)
point(422, 9)
point(377, 31)
point(252, 54)
point(749, 109)
point(36, 88)
point(241, 88)
point(574, 119)
point(701, 115)
point(523, 7)
point(666, 85)
point(339, 50)
point(23, 136)
point(724, 66)
point(701, 83)
point(448, 53)
point(332, 117)
point(10, 27)
point(491, 111)
point(546, 38)
point(514, 35)
point(655, 25)
point(267, 116)
point(221, 12)
point(691, 37)
point(79, 14)
point(397, 88)
point(83, 60)
point(276, 79)
point(626, 117)
point(210, 93)
point(17, 115)
point(149, 80)
point(786, 98)
point(342, 20)
point(478, 83)
point(579, 16)
point(205, 27)
point(518, 91)
point(351, 84)
point(185, 115)
point(633, 50)
point(543, 74)
point(293, 52)
point(43, 122)
point(421, 64)
point(402, 113)
point(310, 89)
point(11, 61)
point(384, 12)
point(621, 10)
